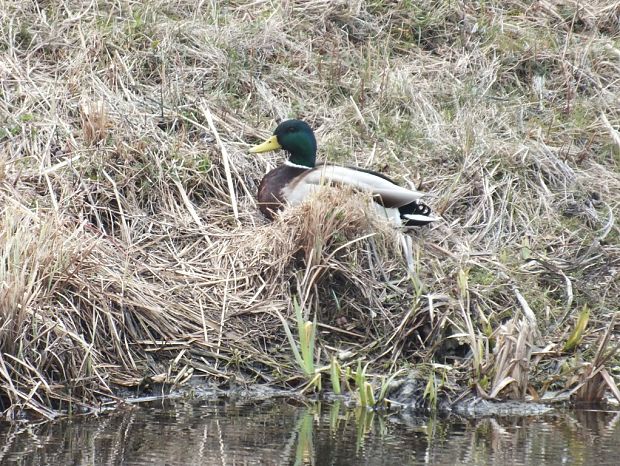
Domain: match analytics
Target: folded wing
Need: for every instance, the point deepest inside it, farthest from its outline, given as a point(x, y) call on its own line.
point(389, 194)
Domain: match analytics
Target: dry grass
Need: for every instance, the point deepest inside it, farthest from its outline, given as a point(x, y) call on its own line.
point(132, 249)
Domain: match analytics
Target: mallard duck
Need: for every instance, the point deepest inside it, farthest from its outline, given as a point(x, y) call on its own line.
point(300, 175)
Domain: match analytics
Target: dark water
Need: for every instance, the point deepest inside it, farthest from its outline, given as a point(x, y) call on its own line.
point(284, 432)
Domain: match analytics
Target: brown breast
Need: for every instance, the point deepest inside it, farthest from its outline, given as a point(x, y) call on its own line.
point(270, 196)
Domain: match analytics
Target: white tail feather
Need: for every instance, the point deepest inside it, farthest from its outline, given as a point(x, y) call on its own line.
point(422, 218)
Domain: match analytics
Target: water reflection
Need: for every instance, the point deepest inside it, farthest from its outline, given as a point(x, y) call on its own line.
point(283, 432)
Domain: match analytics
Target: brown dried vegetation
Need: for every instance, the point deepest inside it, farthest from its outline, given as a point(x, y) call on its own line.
point(132, 249)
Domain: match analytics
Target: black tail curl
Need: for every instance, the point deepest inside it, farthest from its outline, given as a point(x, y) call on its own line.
point(418, 209)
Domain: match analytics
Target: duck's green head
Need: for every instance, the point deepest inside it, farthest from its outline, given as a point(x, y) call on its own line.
point(296, 138)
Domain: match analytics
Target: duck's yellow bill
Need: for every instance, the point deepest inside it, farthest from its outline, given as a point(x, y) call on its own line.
point(269, 144)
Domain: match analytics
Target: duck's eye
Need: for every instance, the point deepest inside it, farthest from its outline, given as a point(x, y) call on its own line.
point(292, 129)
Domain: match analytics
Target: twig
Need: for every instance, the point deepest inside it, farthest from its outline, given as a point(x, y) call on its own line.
point(225, 158)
